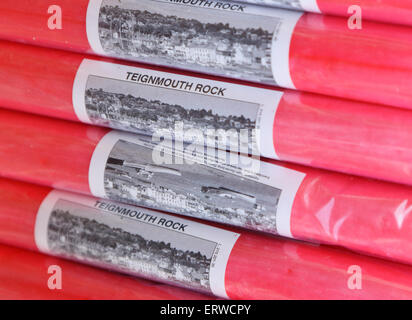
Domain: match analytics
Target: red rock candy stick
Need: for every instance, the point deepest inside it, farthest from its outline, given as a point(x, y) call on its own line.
point(259, 267)
point(319, 131)
point(300, 202)
point(312, 52)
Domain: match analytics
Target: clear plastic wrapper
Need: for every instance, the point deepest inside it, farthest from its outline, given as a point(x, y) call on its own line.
point(308, 52)
point(294, 201)
point(330, 133)
point(259, 267)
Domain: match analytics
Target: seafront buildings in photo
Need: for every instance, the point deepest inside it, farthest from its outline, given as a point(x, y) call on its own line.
point(180, 40)
point(95, 242)
point(196, 190)
point(138, 114)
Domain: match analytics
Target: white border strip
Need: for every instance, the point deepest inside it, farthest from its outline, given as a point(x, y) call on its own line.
point(92, 26)
point(281, 49)
point(42, 222)
point(43, 215)
point(310, 5)
point(79, 92)
point(99, 159)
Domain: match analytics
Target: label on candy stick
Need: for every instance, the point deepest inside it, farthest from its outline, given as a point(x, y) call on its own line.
point(152, 102)
point(135, 241)
point(216, 37)
point(179, 178)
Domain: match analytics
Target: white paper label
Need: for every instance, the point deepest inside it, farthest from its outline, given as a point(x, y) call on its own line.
point(222, 38)
point(306, 5)
point(135, 241)
point(151, 102)
point(251, 194)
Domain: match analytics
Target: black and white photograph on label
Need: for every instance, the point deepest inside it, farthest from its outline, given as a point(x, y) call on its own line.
point(197, 190)
point(129, 245)
point(148, 109)
point(204, 39)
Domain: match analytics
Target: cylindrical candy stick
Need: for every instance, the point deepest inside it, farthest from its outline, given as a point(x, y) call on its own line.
point(24, 275)
point(312, 52)
point(259, 267)
point(361, 214)
point(314, 130)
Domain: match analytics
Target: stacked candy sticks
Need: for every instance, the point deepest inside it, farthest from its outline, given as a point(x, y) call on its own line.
point(311, 52)
point(258, 268)
point(23, 276)
point(340, 135)
point(322, 206)
point(115, 182)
